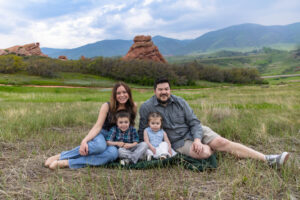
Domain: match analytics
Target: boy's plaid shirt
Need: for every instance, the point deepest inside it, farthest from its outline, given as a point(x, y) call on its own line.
point(129, 136)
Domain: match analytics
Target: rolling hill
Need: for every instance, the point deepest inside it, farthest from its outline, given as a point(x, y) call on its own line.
point(233, 37)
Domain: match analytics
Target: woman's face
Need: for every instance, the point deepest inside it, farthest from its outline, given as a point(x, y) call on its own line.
point(122, 95)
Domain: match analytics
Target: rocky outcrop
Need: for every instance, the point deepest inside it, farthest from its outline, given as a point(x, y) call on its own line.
point(3, 52)
point(62, 57)
point(25, 50)
point(144, 49)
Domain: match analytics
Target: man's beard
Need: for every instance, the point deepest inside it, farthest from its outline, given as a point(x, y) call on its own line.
point(163, 102)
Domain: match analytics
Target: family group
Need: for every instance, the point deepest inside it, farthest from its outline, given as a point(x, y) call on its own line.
point(167, 126)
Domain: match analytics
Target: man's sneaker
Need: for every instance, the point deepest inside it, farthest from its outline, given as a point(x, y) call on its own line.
point(277, 160)
point(124, 162)
point(149, 157)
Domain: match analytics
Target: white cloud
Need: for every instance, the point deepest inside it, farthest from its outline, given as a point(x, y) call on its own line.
point(99, 20)
point(68, 31)
point(148, 2)
point(137, 19)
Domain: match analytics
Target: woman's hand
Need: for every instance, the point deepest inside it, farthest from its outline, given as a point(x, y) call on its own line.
point(84, 149)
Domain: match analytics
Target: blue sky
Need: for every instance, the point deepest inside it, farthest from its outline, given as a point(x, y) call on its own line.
point(73, 23)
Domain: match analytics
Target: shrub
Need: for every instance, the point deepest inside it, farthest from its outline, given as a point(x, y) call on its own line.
point(40, 66)
point(11, 64)
point(133, 71)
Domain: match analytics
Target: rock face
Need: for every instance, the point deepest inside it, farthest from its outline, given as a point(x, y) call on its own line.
point(144, 49)
point(3, 52)
point(25, 50)
point(63, 58)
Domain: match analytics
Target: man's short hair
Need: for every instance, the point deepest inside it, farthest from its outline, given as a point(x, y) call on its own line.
point(160, 80)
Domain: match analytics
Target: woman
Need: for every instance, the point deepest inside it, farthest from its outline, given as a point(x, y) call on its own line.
point(93, 149)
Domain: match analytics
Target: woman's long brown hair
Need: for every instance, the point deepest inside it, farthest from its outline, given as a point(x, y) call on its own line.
point(129, 105)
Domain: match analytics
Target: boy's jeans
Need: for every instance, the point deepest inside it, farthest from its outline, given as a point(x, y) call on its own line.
point(134, 153)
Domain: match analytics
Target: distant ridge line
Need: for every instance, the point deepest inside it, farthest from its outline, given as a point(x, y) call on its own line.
point(241, 36)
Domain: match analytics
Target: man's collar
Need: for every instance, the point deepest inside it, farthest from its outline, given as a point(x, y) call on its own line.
point(156, 103)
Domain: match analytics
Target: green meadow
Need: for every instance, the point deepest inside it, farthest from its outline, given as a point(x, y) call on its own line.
point(36, 123)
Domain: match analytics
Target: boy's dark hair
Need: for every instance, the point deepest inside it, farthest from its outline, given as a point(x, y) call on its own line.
point(161, 80)
point(121, 114)
point(155, 115)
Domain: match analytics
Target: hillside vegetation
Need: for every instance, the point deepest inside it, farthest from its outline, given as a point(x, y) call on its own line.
point(266, 60)
point(135, 71)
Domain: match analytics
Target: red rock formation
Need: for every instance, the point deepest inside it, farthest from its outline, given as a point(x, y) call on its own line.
point(144, 49)
point(25, 50)
point(63, 58)
point(3, 52)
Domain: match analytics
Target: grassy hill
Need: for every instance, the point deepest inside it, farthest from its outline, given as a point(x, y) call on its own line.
point(245, 35)
point(268, 61)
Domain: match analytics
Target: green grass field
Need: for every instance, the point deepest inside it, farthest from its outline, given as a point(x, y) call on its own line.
point(71, 79)
point(80, 80)
point(39, 122)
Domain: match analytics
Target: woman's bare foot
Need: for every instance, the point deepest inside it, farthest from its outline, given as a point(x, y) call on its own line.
point(51, 159)
point(59, 164)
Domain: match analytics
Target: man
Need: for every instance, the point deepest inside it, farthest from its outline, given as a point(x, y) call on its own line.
point(186, 133)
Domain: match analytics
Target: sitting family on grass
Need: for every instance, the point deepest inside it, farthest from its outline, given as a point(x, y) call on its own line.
point(178, 126)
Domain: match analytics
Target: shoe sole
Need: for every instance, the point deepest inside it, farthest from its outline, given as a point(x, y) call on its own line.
point(284, 158)
point(163, 158)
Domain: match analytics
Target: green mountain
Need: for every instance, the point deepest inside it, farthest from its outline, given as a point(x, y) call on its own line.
point(110, 48)
point(245, 36)
point(105, 48)
point(233, 37)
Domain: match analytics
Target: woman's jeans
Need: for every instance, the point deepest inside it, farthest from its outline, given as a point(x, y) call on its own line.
point(98, 153)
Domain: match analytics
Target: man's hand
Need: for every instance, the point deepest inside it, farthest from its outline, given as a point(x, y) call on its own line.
point(84, 149)
point(197, 146)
